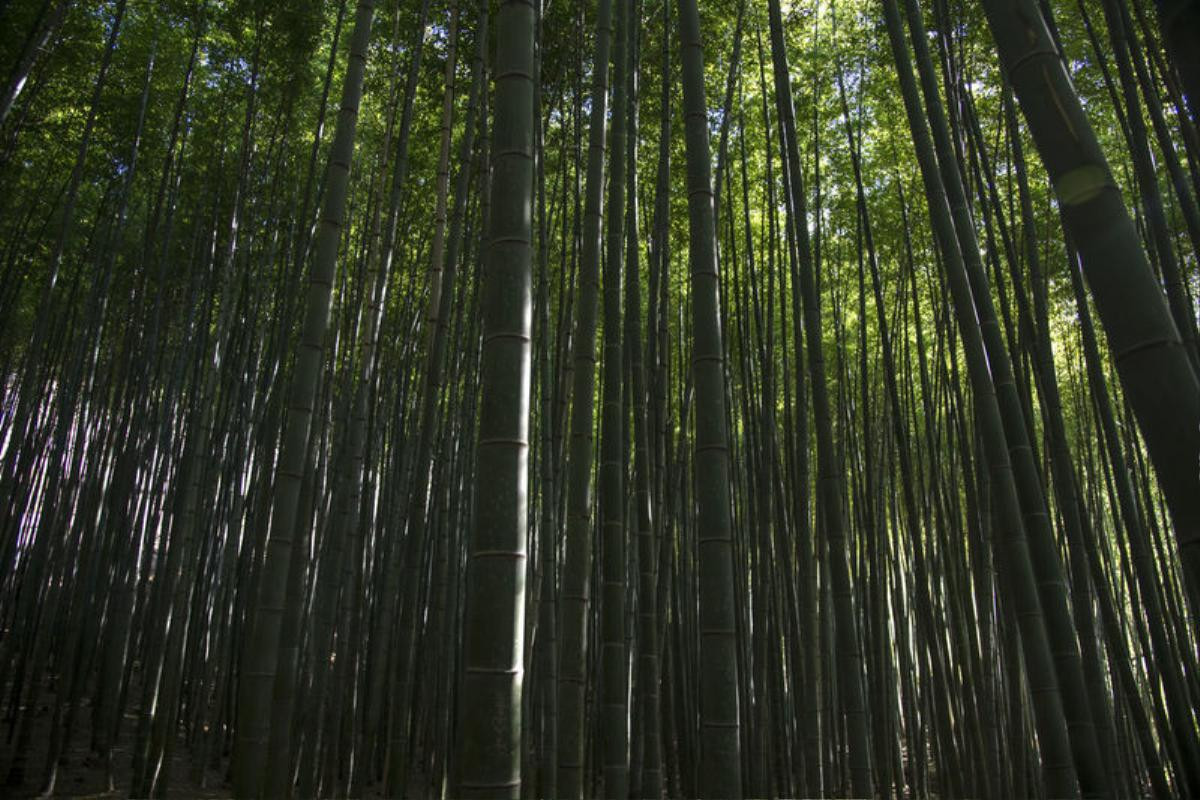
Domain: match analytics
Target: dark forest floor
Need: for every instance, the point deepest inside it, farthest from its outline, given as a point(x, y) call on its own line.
point(80, 773)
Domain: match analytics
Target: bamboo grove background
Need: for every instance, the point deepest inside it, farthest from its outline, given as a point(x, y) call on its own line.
point(621, 398)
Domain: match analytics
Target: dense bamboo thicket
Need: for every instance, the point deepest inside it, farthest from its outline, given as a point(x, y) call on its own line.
point(625, 398)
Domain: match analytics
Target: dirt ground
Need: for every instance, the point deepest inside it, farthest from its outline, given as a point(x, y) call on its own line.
point(81, 775)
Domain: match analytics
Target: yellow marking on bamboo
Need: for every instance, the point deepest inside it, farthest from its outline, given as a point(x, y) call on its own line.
point(1080, 184)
